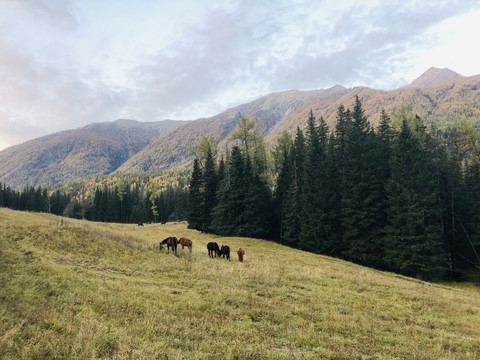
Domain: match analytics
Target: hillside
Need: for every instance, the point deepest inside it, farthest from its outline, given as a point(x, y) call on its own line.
point(77, 290)
point(171, 150)
point(95, 149)
point(443, 103)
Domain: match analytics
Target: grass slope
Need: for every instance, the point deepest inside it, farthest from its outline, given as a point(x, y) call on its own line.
point(78, 290)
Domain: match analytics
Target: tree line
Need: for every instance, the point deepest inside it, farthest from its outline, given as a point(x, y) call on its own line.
point(126, 202)
point(33, 199)
point(396, 197)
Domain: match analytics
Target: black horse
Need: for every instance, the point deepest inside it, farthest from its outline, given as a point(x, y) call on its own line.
point(171, 242)
point(225, 252)
point(213, 249)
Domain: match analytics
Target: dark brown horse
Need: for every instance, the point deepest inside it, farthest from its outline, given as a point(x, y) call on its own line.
point(213, 249)
point(225, 252)
point(185, 242)
point(240, 253)
point(171, 242)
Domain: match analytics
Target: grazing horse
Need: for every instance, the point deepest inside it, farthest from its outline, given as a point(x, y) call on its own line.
point(225, 252)
point(185, 242)
point(240, 253)
point(171, 242)
point(140, 224)
point(213, 249)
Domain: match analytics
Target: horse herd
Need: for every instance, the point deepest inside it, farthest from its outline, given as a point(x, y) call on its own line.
point(213, 249)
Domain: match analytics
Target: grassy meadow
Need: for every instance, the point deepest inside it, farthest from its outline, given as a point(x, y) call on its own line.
point(81, 290)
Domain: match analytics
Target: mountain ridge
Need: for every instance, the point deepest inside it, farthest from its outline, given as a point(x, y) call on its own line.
point(434, 76)
point(92, 150)
point(124, 146)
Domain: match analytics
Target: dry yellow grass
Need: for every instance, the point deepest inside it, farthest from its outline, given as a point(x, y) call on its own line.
point(80, 290)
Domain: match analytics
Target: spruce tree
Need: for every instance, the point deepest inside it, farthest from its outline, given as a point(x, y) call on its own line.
point(333, 244)
point(227, 214)
point(292, 215)
point(283, 158)
point(195, 198)
point(414, 233)
point(362, 190)
point(312, 234)
point(210, 186)
point(257, 214)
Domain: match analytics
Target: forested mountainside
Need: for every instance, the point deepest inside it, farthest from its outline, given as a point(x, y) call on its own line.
point(440, 96)
point(96, 149)
point(443, 102)
point(171, 151)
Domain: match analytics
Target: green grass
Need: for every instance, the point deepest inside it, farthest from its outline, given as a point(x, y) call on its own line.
point(80, 290)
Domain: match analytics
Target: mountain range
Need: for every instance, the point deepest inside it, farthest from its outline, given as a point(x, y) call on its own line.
point(439, 96)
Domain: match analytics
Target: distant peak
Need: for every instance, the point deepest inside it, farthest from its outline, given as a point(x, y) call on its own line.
point(434, 76)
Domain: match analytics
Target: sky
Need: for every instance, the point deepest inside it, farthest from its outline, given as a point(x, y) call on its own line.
point(67, 63)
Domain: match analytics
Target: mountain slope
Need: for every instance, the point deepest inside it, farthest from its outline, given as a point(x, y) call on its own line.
point(442, 103)
point(172, 150)
point(95, 149)
point(80, 290)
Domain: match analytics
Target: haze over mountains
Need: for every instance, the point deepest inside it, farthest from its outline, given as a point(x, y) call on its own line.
point(96, 149)
point(439, 95)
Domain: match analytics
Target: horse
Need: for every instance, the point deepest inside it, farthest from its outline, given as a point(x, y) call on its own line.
point(140, 224)
point(240, 253)
point(213, 249)
point(185, 242)
point(225, 252)
point(171, 242)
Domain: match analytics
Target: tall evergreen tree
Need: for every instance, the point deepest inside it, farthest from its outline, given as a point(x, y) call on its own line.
point(362, 190)
point(312, 234)
point(414, 233)
point(195, 199)
point(283, 155)
point(291, 221)
point(210, 186)
point(228, 214)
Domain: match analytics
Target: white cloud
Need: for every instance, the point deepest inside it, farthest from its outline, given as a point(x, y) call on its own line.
point(64, 63)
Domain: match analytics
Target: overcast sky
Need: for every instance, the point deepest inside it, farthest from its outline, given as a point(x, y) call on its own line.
point(67, 63)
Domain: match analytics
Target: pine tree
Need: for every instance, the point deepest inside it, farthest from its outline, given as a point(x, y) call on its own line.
point(292, 218)
point(283, 155)
point(293, 202)
point(414, 233)
point(362, 190)
point(195, 199)
point(312, 234)
point(333, 244)
point(210, 186)
point(257, 214)
point(222, 212)
point(228, 215)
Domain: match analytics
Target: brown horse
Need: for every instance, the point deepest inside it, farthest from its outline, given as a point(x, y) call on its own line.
point(170, 242)
point(185, 242)
point(240, 253)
